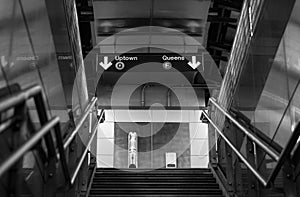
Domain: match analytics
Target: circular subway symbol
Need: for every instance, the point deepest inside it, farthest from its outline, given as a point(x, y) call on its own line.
point(120, 65)
point(167, 65)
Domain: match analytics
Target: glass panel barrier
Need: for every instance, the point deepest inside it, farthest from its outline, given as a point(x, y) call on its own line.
point(270, 80)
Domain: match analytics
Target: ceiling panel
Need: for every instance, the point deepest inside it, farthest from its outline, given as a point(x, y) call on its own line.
point(122, 9)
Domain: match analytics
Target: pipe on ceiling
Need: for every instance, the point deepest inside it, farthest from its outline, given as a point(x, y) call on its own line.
point(143, 94)
point(169, 97)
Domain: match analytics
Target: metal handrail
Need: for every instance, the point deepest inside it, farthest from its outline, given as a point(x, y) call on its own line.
point(72, 177)
point(75, 173)
point(19, 97)
point(15, 156)
point(36, 91)
point(63, 146)
point(247, 132)
point(281, 158)
point(80, 123)
point(253, 170)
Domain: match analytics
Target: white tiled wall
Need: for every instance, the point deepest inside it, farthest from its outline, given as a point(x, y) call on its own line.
point(105, 146)
point(199, 145)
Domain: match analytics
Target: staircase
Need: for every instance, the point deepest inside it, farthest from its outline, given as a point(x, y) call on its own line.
point(161, 182)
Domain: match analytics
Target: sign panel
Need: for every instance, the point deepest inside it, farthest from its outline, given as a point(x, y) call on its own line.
point(124, 62)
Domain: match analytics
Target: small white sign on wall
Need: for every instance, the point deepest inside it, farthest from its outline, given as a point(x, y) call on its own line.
point(171, 160)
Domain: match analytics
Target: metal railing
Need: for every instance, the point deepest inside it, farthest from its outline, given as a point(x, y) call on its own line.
point(88, 111)
point(16, 99)
point(80, 122)
point(272, 152)
point(279, 158)
point(16, 155)
point(47, 126)
point(71, 177)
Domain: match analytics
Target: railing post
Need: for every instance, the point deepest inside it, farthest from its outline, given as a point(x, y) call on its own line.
point(253, 185)
point(296, 161)
point(228, 158)
point(85, 172)
point(93, 148)
point(289, 179)
point(237, 138)
point(233, 169)
point(212, 145)
point(261, 160)
point(51, 171)
point(212, 136)
point(83, 138)
point(16, 173)
point(72, 154)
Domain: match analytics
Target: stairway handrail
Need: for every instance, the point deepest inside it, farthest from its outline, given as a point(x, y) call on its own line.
point(34, 91)
point(267, 148)
point(261, 135)
point(80, 122)
point(19, 97)
point(17, 154)
point(238, 153)
point(87, 113)
point(266, 182)
point(81, 160)
point(15, 99)
point(54, 123)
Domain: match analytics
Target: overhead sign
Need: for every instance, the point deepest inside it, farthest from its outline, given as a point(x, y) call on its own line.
point(169, 60)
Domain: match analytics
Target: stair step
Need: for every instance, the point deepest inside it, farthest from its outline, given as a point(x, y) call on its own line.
point(158, 179)
point(154, 195)
point(154, 190)
point(161, 182)
point(154, 175)
point(154, 185)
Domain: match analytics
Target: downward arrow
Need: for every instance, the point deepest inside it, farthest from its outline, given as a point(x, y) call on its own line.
point(194, 64)
point(105, 64)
